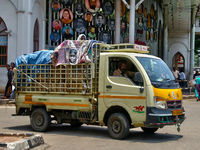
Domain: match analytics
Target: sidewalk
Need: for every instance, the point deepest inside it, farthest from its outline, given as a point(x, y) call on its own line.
point(188, 94)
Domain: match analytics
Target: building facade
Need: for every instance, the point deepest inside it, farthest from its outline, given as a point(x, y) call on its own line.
point(30, 25)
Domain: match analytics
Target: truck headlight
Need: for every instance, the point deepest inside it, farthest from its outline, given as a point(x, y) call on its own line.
point(160, 103)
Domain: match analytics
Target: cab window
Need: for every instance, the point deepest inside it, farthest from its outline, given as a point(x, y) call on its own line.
point(123, 71)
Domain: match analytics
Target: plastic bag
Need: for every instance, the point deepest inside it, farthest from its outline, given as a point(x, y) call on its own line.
point(192, 82)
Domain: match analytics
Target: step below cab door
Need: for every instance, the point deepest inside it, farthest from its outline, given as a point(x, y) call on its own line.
point(125, 89)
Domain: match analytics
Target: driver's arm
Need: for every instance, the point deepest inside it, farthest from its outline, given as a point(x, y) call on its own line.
point(130, 74)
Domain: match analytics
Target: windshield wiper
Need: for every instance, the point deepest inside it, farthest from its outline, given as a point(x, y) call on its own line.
point(166, 79)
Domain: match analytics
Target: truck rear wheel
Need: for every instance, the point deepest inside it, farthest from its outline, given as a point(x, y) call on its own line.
point(40, 120)
point(118, 126)
point(149, 130)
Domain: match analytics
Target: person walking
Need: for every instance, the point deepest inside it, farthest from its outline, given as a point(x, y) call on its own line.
point(12, 95)
point(196, 74)
point(182, 77)
point(197, 89)
point(9, 75)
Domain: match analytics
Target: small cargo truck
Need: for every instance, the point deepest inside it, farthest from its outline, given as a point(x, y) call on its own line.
point(91, 93)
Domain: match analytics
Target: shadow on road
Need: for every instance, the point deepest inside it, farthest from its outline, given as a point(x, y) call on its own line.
point(100, 132)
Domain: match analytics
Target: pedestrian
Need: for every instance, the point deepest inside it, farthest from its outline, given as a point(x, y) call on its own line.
point(182, 77)
point(197, 89)
point(175, 73)
point(196, 74)
point(8, 85)
point(12, 95)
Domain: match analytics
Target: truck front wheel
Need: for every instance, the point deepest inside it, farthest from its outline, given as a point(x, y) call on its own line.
point(118, 126)
point(149, 130)
point(40, 120)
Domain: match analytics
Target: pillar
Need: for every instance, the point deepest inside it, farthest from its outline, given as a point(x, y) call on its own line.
point(132, 22)
point(117, 20)
point(165, 53)
point(192, 42)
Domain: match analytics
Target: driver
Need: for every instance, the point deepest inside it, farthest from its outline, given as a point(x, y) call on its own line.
point(122, 70)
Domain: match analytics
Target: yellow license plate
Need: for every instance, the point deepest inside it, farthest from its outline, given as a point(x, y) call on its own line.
point(177, 112)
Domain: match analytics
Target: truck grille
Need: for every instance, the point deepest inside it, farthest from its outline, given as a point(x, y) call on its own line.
point(174, 104)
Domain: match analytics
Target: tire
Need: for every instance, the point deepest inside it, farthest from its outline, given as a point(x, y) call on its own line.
point(118, 126)
point(40, 120)
point(149, 130)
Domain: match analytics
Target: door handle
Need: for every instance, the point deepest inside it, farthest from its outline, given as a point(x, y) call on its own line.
point(109, 86)
point(141, 89)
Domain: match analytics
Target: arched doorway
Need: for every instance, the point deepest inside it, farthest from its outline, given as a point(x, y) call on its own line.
point(36, 36)
point(3, 43)
point(178, 61)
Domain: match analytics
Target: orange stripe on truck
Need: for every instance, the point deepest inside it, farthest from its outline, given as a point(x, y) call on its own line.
point(57, 104)
point(122, 97)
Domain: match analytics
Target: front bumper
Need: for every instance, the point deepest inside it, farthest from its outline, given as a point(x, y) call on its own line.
point(161, 117)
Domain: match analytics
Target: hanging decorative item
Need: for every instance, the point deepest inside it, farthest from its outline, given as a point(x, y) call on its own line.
point(140, 21)
point(127, 16)
point(66, 2)
point(145, 12)
point(108, 7)
point(156, 14)
point(123, 26)
point(147, 35)
point(55, 6)
point(155, 36)
point(123, 9)
point(152, 11)
point(154, 24)
point(145, 24)
point(79, 25)
point(91, 32)
point(140, 9)
point(111, 24)
point(55, 37)
point(105, 36)
point(151, 35)
point(67, 32)
point(92, 5)
point(66, 15)
point(88, 16)
point(100, 20)
point(56, 24)
point(79, 9)
point(149, 21)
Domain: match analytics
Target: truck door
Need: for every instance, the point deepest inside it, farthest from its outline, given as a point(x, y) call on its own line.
point(125, 89)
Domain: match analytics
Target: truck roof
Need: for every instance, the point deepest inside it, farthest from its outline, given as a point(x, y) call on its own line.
point(125, 47)
point(130, 54)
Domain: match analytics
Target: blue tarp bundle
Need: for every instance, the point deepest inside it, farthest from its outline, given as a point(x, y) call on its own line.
point(39, 57)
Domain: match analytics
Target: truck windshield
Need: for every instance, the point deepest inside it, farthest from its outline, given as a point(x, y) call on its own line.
point(158, 72)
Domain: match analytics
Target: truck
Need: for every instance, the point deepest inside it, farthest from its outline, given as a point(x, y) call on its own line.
point(89, 93)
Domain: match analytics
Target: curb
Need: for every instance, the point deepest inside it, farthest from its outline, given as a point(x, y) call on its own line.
point(23, 144)
point(189, 97)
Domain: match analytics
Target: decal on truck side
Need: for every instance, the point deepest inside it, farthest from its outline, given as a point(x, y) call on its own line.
point(28, 98)
point(139, 109)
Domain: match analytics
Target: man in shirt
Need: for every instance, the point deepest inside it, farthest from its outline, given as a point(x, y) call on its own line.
point(175, 73)
point(122, 70)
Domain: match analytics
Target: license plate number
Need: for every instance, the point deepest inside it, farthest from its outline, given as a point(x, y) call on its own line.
point(177, 112)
